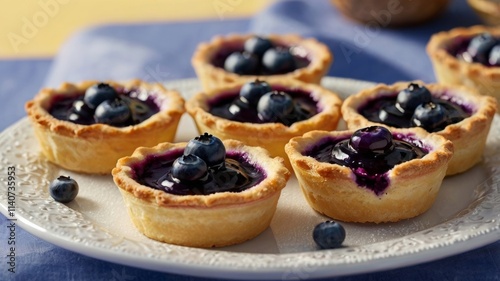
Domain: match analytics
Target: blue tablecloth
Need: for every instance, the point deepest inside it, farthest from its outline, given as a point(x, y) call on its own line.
point(162, 51)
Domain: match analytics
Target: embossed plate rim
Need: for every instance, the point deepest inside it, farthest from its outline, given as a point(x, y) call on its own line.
point(450, 237)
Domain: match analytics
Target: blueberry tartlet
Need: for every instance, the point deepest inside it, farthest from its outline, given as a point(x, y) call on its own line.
point(87, 127)
point(265, 113)
point(371, 174)
point(458, 113)
point(468, 56)
point(237, 58)
point(204, 193)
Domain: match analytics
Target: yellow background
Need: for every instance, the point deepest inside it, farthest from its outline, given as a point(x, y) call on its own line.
point(36, 28)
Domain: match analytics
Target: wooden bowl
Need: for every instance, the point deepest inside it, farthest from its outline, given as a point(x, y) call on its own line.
point(391, 13)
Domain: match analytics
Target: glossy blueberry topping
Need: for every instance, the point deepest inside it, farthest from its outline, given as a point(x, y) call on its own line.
point(208, 148)
point(275, 106)
point(98, 93)
point(430, 115)
point(241, 63)
point(411, 97)
point(180, 173)
point(278, 61)
point(370, 153)
point(260, 56)
point(125, 108)
point(480, 46)
point(189, 168)
point(480, 49)
point(282, 105)
point(63, 189)
point(407, 109)
point(373, 139)
point(112, 112)
point(251, 92)
point(329, 234)
point(257, 45)
point(494, 58)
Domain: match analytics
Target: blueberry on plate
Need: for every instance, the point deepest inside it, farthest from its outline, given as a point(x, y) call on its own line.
point(276, 106)
point(112, 112)
point(480, 46)
point(207, 147)
point(409, 98)
point(494, 59)
point(329, 234)
point(252, 91)
point(189, 168)
point(257, 45)
point(374, 139)
point(98, 93)
point(63, 189)
point(430, 116)
point(278, 60)
point(242, 63)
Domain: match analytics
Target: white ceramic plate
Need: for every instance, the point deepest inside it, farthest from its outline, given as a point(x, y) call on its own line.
point(465, 216)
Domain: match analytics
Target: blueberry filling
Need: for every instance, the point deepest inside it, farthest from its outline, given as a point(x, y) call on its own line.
point(416, 107)
point(483, 48)
point(370, 153)
point(183, 172)
point(103, 104)
point(258, 102)
point(260, 56)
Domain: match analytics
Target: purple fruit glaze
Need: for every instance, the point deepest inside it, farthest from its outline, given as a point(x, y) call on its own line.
point(458, 49)
point(456, 110)
point(237, 175)
point(300, 55)
point(228, 106)
point(62, 104)
point(370, 169)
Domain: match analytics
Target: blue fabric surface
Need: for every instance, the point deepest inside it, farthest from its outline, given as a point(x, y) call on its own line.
point(19, 81)
point(162, 51)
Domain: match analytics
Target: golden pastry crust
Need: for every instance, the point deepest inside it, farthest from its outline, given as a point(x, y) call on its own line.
point(96, 148)
point(213, 220)
point(449, 69)
point(271, 136)
point(213, 77)
point(468, 136)
point(332, 190)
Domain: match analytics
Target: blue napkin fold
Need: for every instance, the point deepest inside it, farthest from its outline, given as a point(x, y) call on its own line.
point(163, 51)
point(363, 51)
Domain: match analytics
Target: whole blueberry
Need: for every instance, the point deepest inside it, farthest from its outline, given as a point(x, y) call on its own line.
point(252, 91)
point(257, 45)
point(494, 59)
point(409, 98)
point(480, 46)
point(63, 189)
point(98, 93)
point(374, 139)
point(207, 147)
point(81, 113)
point(430, 116)
point(278, 60)
point(112, 112)
point(242, 63)
point(329, 235)
point(189, 168)
point(275, 106)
